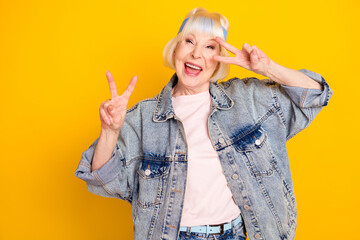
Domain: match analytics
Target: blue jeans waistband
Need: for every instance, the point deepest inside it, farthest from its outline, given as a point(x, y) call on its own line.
point(213, 229)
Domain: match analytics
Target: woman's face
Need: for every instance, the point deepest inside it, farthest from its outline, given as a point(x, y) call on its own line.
point(193, 58)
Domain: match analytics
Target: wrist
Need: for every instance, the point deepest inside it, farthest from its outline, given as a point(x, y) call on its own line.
point(109, 134)
point(272, 71)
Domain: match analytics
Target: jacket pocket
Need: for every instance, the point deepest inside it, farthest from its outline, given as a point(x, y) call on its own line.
point(255, 151)
point(152, 178)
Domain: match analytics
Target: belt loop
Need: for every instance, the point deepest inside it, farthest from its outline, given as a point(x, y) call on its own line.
point(233, 225)
point(207, 229)
point(188, 230)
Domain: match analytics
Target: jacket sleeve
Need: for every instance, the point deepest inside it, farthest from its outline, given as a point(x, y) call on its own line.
point(299, 106)
point(116, 178)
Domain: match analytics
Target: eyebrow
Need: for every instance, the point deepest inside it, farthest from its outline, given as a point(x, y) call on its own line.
point(210, 40)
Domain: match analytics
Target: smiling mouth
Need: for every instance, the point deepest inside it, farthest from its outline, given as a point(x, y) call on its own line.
point(192, 69)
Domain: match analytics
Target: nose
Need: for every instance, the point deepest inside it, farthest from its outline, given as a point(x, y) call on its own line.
point(196, 53)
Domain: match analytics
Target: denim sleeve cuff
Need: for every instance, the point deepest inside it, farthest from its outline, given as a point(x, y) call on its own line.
point(104, 174)
point(306, 97)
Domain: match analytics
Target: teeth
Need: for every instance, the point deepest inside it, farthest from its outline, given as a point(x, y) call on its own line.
point(192, 66)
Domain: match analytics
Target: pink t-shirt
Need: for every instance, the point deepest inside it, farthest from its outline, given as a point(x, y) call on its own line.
point(208, 199)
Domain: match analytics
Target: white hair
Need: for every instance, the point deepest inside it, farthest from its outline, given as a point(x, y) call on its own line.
point(199, 19)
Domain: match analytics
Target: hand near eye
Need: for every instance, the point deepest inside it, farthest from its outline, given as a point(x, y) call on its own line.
point(113, 111)
point(249, 57)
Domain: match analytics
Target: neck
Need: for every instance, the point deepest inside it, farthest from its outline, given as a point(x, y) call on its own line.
point(180, 90)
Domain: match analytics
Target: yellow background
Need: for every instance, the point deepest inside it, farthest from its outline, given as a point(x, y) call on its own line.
point(53, 60)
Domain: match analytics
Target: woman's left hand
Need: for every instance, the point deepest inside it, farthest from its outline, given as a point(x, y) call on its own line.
point(249, 57)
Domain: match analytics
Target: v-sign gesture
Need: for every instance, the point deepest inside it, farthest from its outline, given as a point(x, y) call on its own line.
point(249, 57)
point(113, 111)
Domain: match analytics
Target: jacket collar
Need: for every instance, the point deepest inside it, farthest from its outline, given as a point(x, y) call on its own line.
point(164, 108)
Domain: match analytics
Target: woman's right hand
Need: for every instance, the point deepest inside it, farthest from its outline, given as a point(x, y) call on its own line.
point(113, 111)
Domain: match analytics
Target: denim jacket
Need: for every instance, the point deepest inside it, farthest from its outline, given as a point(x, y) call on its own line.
point(249, 123)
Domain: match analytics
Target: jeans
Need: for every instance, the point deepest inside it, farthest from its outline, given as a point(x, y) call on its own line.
point(237, 232)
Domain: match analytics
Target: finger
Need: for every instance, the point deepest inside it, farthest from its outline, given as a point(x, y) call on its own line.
point(107, 104)
point(109, 108)
point(104, 116)
point(229, 60)
point(247, 48)
point(260, 53)
point(130, 88)
point(257, 51)
point(109, 113)
point(254, 57)
point(227, 46)
point(112, 85)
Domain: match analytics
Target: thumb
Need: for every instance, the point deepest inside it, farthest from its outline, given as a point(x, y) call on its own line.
point(254, 57)
point(247, 48)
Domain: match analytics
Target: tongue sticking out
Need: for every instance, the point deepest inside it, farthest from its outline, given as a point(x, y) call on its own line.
point(192, 70)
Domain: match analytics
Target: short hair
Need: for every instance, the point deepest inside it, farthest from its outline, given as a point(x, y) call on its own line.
point(199, 19)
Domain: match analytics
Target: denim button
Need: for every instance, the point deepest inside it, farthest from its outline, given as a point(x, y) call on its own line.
point(235, 176)
point(246, 207)
point(147, 172)
point(221, 140)
point(257, 142)
point(257, 236)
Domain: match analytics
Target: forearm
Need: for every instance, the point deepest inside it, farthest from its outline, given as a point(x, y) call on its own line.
point(290, 77)
point(104, 148)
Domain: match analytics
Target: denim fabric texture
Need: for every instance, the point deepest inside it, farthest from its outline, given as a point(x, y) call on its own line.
point(249, 124)
point(228, 235)
point(236, 232)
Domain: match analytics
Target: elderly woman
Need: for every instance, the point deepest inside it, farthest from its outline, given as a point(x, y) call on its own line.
point(206, 160)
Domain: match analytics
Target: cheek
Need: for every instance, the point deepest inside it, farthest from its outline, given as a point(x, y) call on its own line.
point(181, 50)
point(211, 62)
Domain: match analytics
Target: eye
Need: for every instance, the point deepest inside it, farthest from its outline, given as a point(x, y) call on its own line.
point(211, 47)
point(188, 41)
